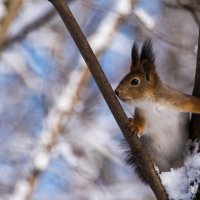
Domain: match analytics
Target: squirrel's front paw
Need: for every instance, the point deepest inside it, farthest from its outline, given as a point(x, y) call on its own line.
point(134, 127)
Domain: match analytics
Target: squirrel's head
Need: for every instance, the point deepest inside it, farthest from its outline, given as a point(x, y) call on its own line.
point(141, 81)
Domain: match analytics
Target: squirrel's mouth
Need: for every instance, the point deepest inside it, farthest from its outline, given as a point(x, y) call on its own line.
point(125, 99)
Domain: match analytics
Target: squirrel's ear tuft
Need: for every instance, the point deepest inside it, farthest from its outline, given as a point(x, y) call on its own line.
point(147, 59)
point(135, 56)
point(147, 53)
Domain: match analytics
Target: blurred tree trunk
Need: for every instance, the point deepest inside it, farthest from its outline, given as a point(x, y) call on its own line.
point(195, 120)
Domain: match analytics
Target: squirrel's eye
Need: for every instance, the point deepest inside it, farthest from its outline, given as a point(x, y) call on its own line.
point(134, 82)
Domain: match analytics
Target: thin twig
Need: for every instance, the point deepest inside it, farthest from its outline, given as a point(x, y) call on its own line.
point(11, 14)
point(38, 22)
point(34, 25)
point(107, 92)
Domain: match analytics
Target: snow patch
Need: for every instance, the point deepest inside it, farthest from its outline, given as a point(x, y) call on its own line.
point(41, 160)
point(182, 183)
point(21, 189)
point(145, 18)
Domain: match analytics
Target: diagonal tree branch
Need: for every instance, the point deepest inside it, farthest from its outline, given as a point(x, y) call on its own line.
point(61, 113)
point(107, 92)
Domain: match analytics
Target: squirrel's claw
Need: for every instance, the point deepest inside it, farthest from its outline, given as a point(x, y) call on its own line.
point(132, 126)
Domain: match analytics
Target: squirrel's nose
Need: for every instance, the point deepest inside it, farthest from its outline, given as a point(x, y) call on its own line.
point(117, 92)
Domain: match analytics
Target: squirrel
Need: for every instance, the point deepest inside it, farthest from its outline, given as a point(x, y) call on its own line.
point(161, 117)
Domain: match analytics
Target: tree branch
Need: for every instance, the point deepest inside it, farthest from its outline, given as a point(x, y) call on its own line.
point(107, 92)
point(78, 79)
point(35, 24)
point(27, 29)
point(195, 120)
point(11, 13)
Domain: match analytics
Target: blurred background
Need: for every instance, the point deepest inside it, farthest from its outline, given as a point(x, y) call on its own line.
point(58, 139)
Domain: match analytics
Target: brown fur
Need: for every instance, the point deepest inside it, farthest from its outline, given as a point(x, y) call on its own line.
point(137, 124)
point(152, 88)
point(143, 87)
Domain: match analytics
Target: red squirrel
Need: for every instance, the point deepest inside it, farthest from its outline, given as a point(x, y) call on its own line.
point(161, 117)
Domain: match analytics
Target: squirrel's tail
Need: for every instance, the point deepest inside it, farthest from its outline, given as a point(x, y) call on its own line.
point(131, 160)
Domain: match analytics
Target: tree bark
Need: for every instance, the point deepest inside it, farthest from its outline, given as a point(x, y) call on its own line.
point(135, 145)
point(195, 120)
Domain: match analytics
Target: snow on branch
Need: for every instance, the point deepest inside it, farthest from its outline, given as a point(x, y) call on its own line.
point(145, 18)
point(183, 182)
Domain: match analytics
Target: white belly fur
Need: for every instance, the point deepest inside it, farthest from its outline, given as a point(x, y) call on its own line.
point(165, 133)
